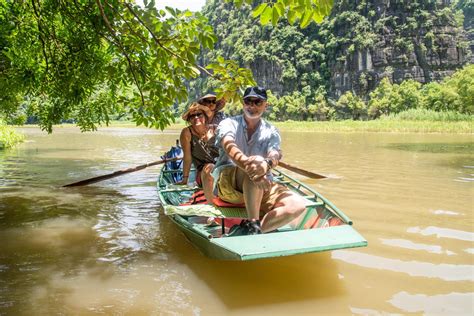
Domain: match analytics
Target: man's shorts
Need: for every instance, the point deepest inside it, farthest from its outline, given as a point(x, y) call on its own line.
point(227, 191)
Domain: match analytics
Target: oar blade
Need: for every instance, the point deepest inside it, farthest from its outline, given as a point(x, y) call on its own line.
point(116, 173)
point(303, 172)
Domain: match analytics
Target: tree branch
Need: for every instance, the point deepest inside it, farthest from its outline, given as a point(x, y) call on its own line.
point(158, 41)
point(112, 32)
point(40, 32)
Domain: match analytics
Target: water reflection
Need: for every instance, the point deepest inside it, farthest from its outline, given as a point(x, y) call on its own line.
point(446, 212)
point(441, 232)
point(441, 304)
point(408, 244)
point(368, 312)
point(443, 271)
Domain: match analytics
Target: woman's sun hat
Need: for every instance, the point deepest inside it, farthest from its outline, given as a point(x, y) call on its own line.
point(196, 107)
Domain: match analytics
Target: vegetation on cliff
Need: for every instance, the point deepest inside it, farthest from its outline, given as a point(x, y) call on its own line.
point(304, 68)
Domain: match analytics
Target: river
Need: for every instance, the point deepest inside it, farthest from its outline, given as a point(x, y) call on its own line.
point(107, 248)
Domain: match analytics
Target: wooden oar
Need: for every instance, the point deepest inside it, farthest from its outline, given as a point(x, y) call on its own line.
point(303, 172)
point(118, 173)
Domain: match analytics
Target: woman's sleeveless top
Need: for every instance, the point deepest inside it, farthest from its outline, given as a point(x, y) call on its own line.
point(203, 152)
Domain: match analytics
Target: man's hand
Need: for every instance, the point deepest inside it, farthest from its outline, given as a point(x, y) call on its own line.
point(256, 167)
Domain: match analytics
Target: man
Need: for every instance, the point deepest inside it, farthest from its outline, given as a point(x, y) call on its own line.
point(249, 149)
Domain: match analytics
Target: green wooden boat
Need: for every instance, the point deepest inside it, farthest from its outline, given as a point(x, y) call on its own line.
point(324, 227)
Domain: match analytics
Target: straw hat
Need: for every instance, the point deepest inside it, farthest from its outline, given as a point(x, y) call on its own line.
point(196, 107)
point(219, 103)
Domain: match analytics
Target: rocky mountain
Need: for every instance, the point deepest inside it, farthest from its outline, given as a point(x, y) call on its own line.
point(420, 40)
point(358, 45)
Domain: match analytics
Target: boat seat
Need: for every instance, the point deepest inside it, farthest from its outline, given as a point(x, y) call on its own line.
point(205, 210)
point(239, 212)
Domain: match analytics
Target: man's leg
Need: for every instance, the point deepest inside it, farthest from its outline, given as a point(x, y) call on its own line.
point(288, 206)
point(207, 182)
point(252, 194)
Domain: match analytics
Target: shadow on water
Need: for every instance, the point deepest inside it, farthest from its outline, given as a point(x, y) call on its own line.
point(435, 148)
point(48, 232)
point(44, 203)
point(242, 284)
point(31, 255)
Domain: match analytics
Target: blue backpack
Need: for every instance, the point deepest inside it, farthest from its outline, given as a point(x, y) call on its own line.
point(175, 151)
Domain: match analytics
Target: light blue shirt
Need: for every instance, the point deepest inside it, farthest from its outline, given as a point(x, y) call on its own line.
point(265, 139)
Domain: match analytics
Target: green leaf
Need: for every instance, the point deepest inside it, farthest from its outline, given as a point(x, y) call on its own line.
point(275, 16)
point(258, 10)
point(318, 18)
point(266, 16)
point(299, 9)
point(281, 8)
point(306, 19)
point(292, 16)
point(196, 71)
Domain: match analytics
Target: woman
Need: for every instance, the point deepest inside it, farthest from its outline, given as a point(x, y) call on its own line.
point(210, 100)
point(198, 143)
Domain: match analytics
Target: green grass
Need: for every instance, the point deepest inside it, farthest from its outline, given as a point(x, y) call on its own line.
point(393, 126)
point(8, 136)
point(410, 121)
point(428, 115)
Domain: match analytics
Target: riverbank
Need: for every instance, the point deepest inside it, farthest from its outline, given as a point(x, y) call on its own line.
point(373, 126)
point(386, 126)
point(459, 127)
point(9, 137)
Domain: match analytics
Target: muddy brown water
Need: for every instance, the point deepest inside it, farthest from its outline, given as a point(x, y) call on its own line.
point(108, 249)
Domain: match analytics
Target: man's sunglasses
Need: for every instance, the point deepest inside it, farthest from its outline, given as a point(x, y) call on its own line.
point(198, 115)
point(257, 102)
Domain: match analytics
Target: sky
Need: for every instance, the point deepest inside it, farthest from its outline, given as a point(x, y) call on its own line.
point(191, 5)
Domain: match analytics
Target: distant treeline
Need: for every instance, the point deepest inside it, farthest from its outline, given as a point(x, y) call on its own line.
point(453, 94)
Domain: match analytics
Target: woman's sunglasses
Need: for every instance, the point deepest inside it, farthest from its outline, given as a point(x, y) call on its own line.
point(257, 102)
point(192, 116)
point(208, 101)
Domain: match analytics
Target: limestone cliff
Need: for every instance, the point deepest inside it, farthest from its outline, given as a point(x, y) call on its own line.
point(418, 40)
point(352, 50)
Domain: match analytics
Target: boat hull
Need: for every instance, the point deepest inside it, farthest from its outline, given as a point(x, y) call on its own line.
point(323, 228)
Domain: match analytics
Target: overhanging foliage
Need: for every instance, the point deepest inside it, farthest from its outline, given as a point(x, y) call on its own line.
point(87, 59)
